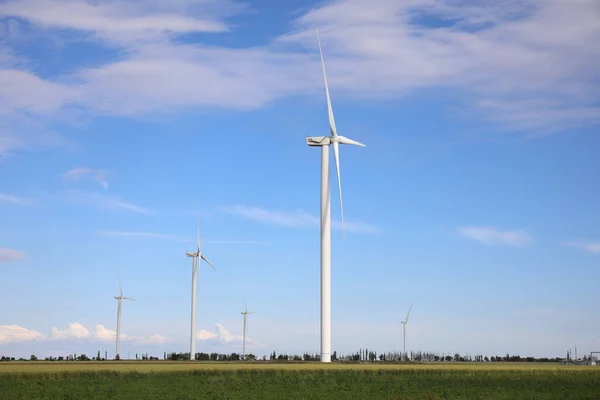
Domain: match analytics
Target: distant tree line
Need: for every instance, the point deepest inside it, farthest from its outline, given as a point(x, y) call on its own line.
point(362, 355)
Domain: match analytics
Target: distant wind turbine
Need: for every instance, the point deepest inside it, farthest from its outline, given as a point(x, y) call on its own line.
point(196, 258)
point(245, 314)
point(120, 298)
point(404, 329)
point(324, 142)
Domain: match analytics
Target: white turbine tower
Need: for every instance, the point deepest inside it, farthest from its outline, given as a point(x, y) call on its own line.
point(404, 329)
point(120, 298)
point(324, 142)
point(245, 314)
point(196, 258)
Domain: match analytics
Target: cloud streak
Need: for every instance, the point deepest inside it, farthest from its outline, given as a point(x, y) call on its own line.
point(590, 247)
point(77, 174)
point(7, 255)
point(294, 219)
point(494, 236)
point(105, 202)
point(15, 200)
point(126, 234)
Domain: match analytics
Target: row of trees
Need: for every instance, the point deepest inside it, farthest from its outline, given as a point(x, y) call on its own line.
point(363, 355)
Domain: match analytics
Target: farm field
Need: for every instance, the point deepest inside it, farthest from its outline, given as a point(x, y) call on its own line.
point(222, 380)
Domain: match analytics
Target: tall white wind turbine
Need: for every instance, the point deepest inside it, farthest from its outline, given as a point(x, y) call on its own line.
point(324, 142)
point(404, 329)
point(120, 298)
point(245, 314)
point(196, 258)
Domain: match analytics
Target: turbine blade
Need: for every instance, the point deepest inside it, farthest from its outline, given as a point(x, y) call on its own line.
point(329, 108)
point(120, 288)
point(336, 155)
point(128, 298)
point(345, 140)
point(407, 315)
point(208, 262)
point(245, 304)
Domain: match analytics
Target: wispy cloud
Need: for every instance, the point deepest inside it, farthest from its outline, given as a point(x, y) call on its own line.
point(293, 219)
point(176, 237)
point(258, 242)
point(77, 174)
point(8, 255)
point(591, 247)
point(20, 201)
point(144, 234)
point(494, 236)
point(104, 201)
point(74, 332)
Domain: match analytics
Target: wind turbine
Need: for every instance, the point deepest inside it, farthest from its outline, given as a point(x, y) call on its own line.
point(120, 298)
point(245, 314)
point(404, 329)
point(196, 258)
point(324, 142)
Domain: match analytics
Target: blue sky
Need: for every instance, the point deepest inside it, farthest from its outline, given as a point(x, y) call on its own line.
point(475, 198)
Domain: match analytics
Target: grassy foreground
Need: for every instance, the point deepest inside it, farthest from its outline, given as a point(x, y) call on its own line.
point(180, 380)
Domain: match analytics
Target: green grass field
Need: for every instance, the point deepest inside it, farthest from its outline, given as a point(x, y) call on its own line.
point(222, 380)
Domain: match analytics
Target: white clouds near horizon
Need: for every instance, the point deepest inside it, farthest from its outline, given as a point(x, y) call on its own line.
point(224, 336)
point(75, 331)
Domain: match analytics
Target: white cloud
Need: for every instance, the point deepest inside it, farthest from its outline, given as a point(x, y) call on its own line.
point(103, 201)
point(9, 199)
point(74, 332)
point(104, 334)
point(497, 57)
point(114, 20)
point(8, 255)
point(499, 54)
point(16, 333)
point(489, 235)
point(294, 219)
point(205, 335)
point(591, 247)
point(154, 339)
point(77, 174)
point(224, 336)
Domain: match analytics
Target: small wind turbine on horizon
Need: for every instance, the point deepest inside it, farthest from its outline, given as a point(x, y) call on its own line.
point(404, 330)
point(324, 142)
point(196, 258)
point(245, 314)
point(120, 298)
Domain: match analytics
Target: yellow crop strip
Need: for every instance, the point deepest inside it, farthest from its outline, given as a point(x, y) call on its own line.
point(165, 366)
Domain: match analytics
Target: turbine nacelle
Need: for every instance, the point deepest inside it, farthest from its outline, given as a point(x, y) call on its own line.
point(318, 141)
point(328, 140)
